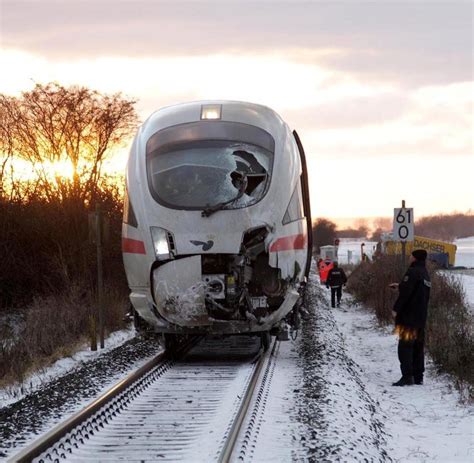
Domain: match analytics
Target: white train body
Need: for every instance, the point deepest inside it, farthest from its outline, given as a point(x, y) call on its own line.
point(215, 233)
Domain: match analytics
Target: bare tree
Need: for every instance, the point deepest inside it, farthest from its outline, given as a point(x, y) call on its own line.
point(6, 136)
point(53, 123)
point(446, 226)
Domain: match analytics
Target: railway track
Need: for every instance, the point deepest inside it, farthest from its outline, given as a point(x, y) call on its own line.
point(202, 407)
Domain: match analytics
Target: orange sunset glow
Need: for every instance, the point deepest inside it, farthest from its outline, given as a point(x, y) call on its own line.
point(384, 107)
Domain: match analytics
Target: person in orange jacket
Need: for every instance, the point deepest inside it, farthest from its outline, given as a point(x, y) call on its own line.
point(324, 267)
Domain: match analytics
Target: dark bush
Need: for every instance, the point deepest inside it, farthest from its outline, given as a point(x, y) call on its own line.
point(369, 284)
point(48, 274)
point(450, 331)
point(45, 247)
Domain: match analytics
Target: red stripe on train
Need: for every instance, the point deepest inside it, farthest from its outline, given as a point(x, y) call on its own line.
point(289, 243)
point(133, 246)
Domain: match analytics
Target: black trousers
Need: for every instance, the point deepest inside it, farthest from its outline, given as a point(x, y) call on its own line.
point(412, 356)
point(337, 290)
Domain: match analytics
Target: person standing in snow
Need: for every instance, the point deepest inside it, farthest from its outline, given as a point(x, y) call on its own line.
point(410, 312)
point(336, 279)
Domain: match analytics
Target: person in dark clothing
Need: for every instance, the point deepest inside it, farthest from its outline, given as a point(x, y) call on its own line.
point(410, 312)
point(336, 278)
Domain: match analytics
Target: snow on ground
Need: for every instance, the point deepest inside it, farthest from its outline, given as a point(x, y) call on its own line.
point(278, 426)
point(466, 277)
point(38, 412)
point(317, 407)
point(330, 397)
point(62, 366)
point(344, 421)
point(465, 252)
point(426, 423)
point(467, 280)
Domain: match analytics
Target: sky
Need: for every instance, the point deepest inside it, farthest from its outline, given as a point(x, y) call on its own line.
point(381, 93)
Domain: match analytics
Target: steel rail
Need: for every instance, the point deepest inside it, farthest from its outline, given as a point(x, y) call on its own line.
point(40, 445)
point(231, 441)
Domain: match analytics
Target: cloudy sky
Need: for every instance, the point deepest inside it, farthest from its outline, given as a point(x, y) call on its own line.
point(380, 92)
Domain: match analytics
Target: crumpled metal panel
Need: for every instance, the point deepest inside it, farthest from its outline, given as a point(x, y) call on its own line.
point(179, 292)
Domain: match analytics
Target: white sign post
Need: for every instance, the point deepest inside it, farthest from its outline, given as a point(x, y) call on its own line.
point(403, 224)
point(403, 228)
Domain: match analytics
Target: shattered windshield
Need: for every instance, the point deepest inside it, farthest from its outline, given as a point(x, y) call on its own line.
point(202, 173)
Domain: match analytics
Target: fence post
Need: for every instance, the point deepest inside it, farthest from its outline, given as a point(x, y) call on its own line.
point(93, 329)
point(100, 283)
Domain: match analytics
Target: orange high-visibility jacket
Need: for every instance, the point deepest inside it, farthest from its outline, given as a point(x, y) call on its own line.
point(324, 267)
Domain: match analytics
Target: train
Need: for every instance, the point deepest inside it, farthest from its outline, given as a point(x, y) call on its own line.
point(216, 236)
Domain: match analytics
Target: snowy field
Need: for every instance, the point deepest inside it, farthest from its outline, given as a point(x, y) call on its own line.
point(466, 278)
point(467, 281)
point(465, 252)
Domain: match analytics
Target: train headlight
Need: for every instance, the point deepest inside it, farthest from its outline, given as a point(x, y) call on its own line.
point(161, 243)
point(211, 111)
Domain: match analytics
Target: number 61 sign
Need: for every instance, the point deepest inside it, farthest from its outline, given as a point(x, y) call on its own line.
point(403, 224)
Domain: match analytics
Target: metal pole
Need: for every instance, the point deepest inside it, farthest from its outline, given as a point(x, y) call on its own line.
point(93, 329)
point(404, 247)
point(100, 273)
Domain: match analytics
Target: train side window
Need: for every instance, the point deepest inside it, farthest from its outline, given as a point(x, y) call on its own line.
point(128, 213)
point(294, 210)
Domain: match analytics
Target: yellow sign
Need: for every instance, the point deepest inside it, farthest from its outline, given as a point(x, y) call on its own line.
point(429, 245)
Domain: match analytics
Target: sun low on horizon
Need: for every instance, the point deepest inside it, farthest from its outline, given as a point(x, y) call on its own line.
point(382, 117)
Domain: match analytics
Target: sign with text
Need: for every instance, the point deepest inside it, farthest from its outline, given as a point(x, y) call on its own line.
point(403, 224)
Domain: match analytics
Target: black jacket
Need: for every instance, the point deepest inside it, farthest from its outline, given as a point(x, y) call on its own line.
point(414, 293)
point(336, 277)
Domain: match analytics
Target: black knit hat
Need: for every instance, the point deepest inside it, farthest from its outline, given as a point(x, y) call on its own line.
point(419, 254)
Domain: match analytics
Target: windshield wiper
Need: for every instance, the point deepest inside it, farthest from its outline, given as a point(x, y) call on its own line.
point(240, 180)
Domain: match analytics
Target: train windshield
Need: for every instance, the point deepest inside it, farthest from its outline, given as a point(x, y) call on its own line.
point(202, 173)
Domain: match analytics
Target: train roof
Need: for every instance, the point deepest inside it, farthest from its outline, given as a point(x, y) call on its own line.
point(234, 111)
